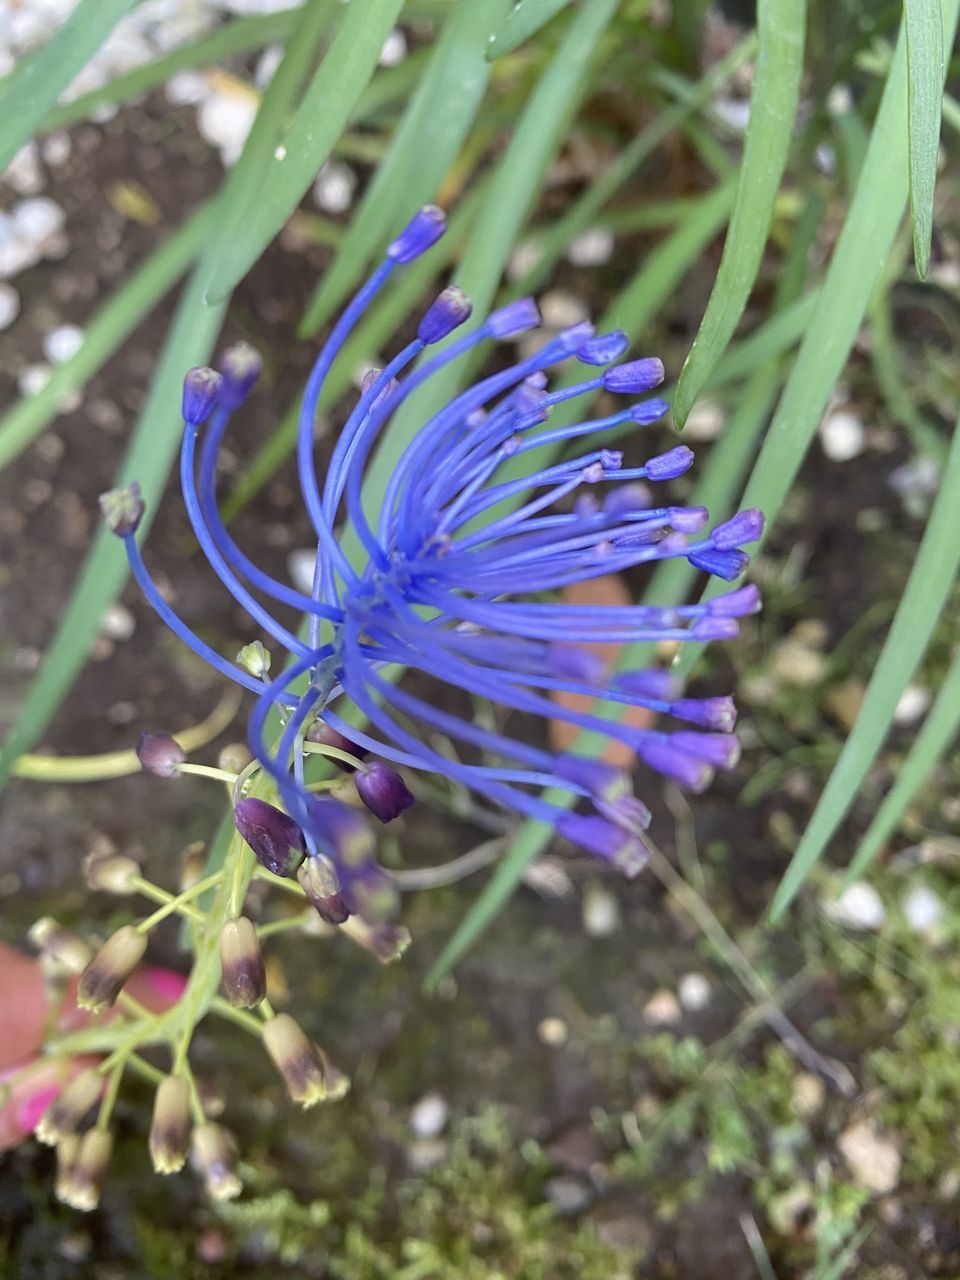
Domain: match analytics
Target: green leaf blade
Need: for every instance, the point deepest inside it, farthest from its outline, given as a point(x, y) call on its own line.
point(523, 21)
point(925, 72)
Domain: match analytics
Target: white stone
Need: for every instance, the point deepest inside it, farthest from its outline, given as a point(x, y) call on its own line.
point(334, 187)
point(429, 1116)
point(118, 623)
point(694, 991)
point(394, 49)
point(33, 378)
point(37, 220)
point(842, 436)
point(922, 909)
point(874, 1160)
point(705, 421)
point(553, 1032)
point(662, 1009)
point(734, 112)
point(16, 256)
point(858, 907)
point(23, 172)
point(225, 120)
point(63, 343)
point(601, 912)
point(56, 148)
point(591, 248)
point(524, 258)
point(186, 88)
point(267, 65)
point(912, 705)
point(561, 309)
point(9, 305)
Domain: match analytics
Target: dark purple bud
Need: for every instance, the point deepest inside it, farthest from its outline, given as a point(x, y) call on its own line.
point(669, 465)
point(326, 736)
point(657, 685)
point(272, 835)
point(736, 604)
point(240, 366)
point(648, 411)
point(711, 713)
point(635, 376)
point(572, 339)
point(626, 811)
point(716, 629)
point(722, 750)
point(724, 564)
point(160, 754)
point(688, 519)
point(123, 509)
point(321, 884)
point(382, 790)
point(201, 388)
point(422, 232)
point(372, 893)
point(746, 526)
point(604, 348)
point(450, 309)
point(669, 760)
point(622, 849)
point(515, 317)
point(343, 830)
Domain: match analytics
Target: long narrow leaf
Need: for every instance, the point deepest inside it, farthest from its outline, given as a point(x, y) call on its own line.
point(42, 76)
point(524, 20)
point(348, 65)
point(924, 25)
point(776, 92)
point(923, 599)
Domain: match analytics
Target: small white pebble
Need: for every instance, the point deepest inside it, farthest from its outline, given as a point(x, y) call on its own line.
point(334, 187)
point(23, 172)
point(842, 436)
point(600, 912)
point(912, 705)
point(591, 248)
point(429, 1116)
point(840, 100)
point(874, 1160)
point(920, 477)
point(553, 1033)
point(16, 256)
point(808, 1094)
point(56, 148)
point(561, 309)
point(118, 623)
point(858, 907)
point(267, 65)
point(662, 1009)
point(694, 991)
point(37, 220)
point(922, 909)
point(734, 112)
point(186, 88)
point(9, 305)
point(394, 49)
point(63, 343)
point(33, 378)
point(225, 120)
point(825, 159)
point(523, 259)
point(705, 421)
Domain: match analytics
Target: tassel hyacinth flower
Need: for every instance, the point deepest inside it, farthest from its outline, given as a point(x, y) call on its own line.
point(456, 580)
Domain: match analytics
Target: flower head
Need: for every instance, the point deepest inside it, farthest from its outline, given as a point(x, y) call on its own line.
point(456, 580)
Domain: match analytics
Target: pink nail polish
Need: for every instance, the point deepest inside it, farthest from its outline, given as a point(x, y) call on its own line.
point(168, 985)
point(32, 1108)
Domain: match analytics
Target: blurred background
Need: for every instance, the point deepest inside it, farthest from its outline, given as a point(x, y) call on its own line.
point(742, 1064)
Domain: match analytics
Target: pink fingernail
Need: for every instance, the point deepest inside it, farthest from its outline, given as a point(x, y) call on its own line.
point(168, 985)
point(30, 1111)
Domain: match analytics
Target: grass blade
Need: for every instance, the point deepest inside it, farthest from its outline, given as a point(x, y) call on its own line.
point(925, 93)
point(42, 76)
point(938, 731)
point(776, 92)
point(422, 150)
point(105, 333)
point(347, 66)
point(524, 20)
point(928, 586)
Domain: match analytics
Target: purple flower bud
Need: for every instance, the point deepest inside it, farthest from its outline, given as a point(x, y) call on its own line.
point(575, 662)
point(604, 348)
point(160, 754)
point(123, 509)
point(572, 339)
point(515, 317)
point(648, 411)
point(636, 376)
point(722, 750)
point(611, 843)
point(669, 465)
point(746, 526)
point(688, 519)
point(598, 778)
point(611, 459)
point(626, 811)
point(716, 629)
point(372, 894)
point(382, 790)
point(626, 499)
point(736, 604)
point(272, 835)
point(447, 312)
point(201, 388)
point(341, 828)
point(326, 736)
point(656, 685)
point(240, 366)
point(321, 884)
point(673, 763)
point(724, 564)
point(422, 232)
point(711, 713)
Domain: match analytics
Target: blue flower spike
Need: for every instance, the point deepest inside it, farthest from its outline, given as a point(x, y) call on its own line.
point(456, 580)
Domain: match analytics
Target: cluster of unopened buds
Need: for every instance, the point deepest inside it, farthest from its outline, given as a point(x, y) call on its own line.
point(456, 578)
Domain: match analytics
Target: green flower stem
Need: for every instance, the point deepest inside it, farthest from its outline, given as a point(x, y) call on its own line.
point(333, 753)
point(243, 1019)
point(172, 902)
point(144, 1068)
point(208, 771)
point(281, 926)
point(113, 1088)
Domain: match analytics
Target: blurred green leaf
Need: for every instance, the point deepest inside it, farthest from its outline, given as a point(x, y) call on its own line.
point(106, 331)
point(925, 72)
point(347, 66)
point(776, 92)
point(939, 729)
point(928, 586)
point(524, 20)
point(35, 85)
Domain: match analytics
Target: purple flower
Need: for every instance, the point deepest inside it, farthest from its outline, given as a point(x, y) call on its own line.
point(456, 581)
